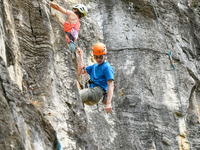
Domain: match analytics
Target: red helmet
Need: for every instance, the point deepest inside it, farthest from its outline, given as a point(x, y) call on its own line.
point(99, 49)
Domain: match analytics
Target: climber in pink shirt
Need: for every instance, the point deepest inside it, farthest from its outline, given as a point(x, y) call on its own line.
point(72, 24)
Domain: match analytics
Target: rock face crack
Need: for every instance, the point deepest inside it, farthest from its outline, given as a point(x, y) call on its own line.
point(196, 77)
point(31, 24)
point(40, 10)
point(3, 90)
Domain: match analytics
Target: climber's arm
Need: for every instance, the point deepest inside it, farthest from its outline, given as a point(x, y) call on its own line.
point(81, 67)
point(109, 95)
point(61, 9)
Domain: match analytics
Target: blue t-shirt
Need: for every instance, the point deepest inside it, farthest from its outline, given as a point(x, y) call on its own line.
point(100, 74)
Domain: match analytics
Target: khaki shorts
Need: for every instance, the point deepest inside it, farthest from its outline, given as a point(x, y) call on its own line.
point(91, 96)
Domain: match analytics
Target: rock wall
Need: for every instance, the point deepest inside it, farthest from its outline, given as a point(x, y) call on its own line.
point(151, 102)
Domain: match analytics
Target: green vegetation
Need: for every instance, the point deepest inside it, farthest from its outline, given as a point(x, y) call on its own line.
point(195, 3)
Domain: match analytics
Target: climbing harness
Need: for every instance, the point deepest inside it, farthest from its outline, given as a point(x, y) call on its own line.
point(72, 45)
point(90, 81)
point(26, 84)
point(73, 36)
point(176, 79)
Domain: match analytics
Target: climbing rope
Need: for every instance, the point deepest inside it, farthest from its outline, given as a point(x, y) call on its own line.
point(64, 4)
point(176, 79)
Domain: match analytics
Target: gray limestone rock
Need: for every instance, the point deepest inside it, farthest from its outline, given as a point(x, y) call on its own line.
point(154, 106)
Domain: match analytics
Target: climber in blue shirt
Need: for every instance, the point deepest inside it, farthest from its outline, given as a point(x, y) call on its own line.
point(101, 77)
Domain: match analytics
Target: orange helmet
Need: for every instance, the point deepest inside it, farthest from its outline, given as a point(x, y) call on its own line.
point(99, 49)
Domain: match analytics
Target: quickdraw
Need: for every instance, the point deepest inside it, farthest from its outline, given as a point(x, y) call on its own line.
point(170, 57)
